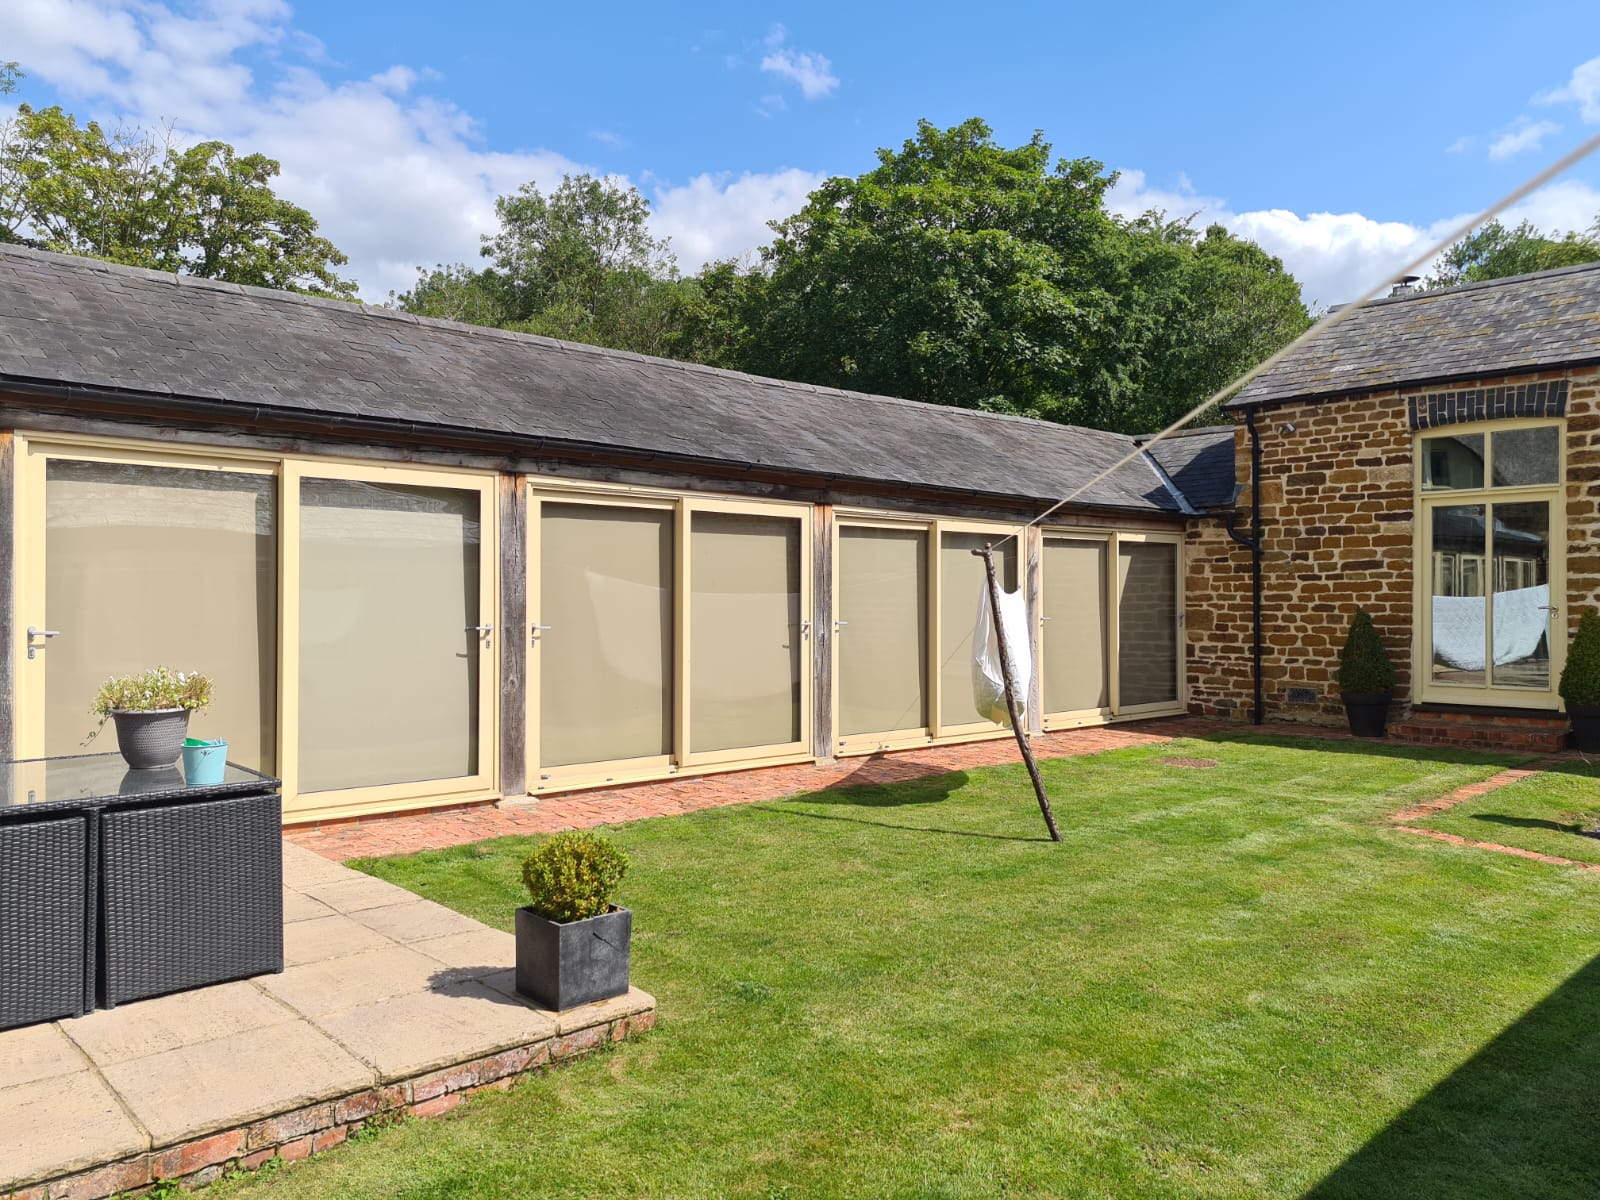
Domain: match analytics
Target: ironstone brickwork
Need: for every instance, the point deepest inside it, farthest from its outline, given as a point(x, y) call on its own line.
point(1337, 534)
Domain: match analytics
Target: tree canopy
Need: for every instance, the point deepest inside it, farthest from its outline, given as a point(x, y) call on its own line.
point(132, 197)
point(1494, 252)
point(580, 264)
point(960, 271)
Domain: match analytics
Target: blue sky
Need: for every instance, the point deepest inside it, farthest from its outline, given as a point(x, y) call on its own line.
point(1340, 136)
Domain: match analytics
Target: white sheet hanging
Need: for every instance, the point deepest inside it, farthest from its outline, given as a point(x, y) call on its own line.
point(1520, 621)
point(988, 678)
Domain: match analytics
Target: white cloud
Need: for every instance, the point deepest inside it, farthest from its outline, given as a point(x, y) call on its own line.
point(806, 68)
point(1524, 135)
point(1582, 89)
point(396, 177)
point(722, 216)
point(1338, 256)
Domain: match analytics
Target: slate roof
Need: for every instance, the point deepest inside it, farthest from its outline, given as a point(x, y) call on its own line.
point(75, 321)
point(1525, 322)
point(1199, 462)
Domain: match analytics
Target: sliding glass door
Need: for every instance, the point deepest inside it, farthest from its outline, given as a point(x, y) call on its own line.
point(666, 633)
point(881, 643)
point(1076, 639)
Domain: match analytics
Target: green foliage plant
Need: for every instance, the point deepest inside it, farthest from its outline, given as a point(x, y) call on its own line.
point(1580, 678)
point(572, 875)
point(1364, 666)
point(155, 690)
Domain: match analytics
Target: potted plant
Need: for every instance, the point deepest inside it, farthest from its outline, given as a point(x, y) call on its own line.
point(1580, 683)
point(1366, 678)
point(572, 942)
point(151, 712)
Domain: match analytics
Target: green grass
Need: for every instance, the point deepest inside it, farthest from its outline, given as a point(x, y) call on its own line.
point(1550, 813)
point(1233, 982)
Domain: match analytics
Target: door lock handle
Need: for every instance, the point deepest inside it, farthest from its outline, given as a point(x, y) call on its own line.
point(534, 631)
point(487, 631)
point(35, 632)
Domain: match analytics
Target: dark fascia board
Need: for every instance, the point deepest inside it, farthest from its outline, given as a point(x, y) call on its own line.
point(376, 430)
point(1414, 384)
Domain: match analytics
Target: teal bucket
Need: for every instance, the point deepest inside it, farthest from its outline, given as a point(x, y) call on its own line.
point(203, 762)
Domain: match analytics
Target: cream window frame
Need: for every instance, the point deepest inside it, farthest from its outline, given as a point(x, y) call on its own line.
point(1099, 715)
point(683, 505)
point(1180, 621)
point(1424, 688)
point(33, 450)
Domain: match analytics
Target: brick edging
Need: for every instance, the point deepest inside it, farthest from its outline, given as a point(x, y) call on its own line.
point(302, 1132)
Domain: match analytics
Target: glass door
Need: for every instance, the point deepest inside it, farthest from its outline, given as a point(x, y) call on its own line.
point(1493, 626)
point(881, 645)
point(131, 561)
point(1149, 624)
point(388, 669)
point(1491, 565)
point(1076, 641)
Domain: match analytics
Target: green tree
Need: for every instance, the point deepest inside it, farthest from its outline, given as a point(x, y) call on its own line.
point(1495, 252)
point(132, 197)
point(580, 264)
point(962, 272)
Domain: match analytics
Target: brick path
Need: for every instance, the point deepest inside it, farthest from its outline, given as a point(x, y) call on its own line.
point(408, 833)
point(1472, 791)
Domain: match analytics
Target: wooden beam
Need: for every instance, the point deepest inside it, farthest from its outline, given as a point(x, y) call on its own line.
point(513, 636)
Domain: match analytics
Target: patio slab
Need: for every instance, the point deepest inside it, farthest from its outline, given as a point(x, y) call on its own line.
point(388, 1002)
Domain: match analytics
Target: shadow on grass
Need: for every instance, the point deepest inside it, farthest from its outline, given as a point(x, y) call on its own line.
point(891, 783)
point(1369, 747)
point(927, 789)
point(1514, 1121)
point(1531, 823)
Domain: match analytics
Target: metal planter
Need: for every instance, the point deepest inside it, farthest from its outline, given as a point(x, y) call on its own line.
point(562, 965)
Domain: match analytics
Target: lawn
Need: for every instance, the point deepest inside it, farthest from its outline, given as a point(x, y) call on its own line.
point(1226, 982)
point(1552, 813)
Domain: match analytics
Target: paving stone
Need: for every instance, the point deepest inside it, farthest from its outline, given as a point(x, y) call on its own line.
point(297, 906)
point(37, 1052)
point(55, 1126)
point(603, 1012)
point(425, 1031)
point(415, 921)
point(130, 1031)
point(332, 936)
point(304, 868)
point(357, 892)
point(231, 1081)
point(340, 983)
point(478, 950)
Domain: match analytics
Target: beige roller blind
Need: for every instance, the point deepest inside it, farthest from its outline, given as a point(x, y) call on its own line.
point(388, 665)
point(1076, 639)
point(882, 650)
point(962, 584)
point(1147, 622)
point(149, 566)
point(605, 664)
point(744, 631)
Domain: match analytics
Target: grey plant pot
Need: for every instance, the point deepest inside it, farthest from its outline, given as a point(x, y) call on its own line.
point(562, 965)
point(1585, 727)
point(152, 740)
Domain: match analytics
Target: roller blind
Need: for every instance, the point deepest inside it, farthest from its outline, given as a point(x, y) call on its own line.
point(1075, 645)
point(962, 587)
point(882, 649)
point(388, 665)
point(605, 665)
point(744, 631)
point(149, 566)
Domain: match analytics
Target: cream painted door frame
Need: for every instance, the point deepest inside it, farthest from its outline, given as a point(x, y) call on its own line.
point(681, 757)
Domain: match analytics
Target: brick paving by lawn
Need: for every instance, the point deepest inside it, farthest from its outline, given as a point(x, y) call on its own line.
point(408, 833)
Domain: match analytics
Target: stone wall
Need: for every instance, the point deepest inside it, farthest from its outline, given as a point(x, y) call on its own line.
point(1336, 500)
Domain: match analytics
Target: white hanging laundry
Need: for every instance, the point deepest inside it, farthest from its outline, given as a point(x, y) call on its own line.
point(988, 677)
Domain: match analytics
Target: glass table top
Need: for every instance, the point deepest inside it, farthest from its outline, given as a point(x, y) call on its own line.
point(89, 778)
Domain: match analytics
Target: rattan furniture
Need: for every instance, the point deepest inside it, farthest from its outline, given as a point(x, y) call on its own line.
point(118, 884)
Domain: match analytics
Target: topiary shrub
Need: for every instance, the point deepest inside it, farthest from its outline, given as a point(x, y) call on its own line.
point(1580, 678)
point(1364, 666)
point(571, 876)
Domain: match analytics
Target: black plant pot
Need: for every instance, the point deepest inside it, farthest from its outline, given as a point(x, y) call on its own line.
point(562, 965)
point(1368, 713)
point(1585, 727)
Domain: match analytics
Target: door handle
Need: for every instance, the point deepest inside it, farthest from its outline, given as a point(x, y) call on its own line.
point(487, 631)
point(840, 624)
point(35, 632)
point(535, 631)
point(805, 630)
